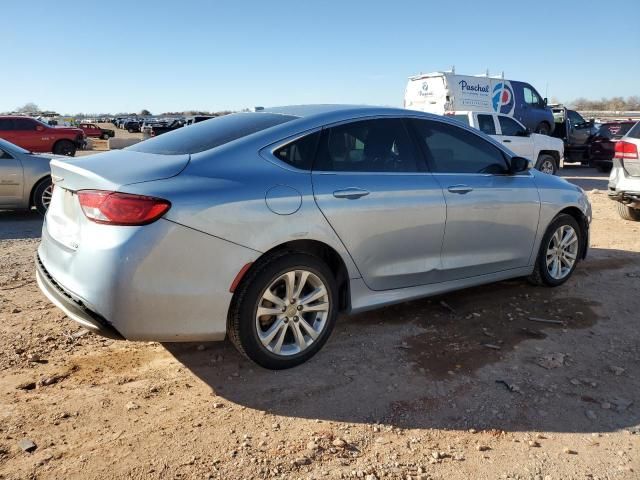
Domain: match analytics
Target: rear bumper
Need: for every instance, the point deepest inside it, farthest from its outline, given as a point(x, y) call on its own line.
point(71, 305)
point(160, 282)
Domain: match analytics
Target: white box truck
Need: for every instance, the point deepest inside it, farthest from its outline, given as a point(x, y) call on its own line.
point(446, 92)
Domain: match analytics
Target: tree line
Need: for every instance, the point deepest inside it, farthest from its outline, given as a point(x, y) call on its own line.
point(608, 104)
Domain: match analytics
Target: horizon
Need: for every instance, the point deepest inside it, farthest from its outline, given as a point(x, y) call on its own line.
point(215, 57)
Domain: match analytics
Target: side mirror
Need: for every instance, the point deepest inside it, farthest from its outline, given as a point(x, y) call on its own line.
point(520, 164)
point(39, 128)
point(544, 100)
point(524, 133)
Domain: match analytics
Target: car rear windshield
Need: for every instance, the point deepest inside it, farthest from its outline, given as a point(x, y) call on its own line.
point(614, 130)
point(210, 133)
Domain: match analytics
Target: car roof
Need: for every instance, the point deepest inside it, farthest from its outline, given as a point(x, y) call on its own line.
point(304, 111)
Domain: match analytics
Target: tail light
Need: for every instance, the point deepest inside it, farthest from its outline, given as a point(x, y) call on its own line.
point(626, 150)
point(115, 208)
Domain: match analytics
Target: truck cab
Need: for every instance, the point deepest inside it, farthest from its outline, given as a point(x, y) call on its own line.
point(546, 152)
point(574, 131)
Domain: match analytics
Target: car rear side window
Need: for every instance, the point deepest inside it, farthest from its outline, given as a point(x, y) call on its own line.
point(451, 149)
point(381, 145)
point(210, 133)
point(486, 124)
point(6, 124)
point(299, 153)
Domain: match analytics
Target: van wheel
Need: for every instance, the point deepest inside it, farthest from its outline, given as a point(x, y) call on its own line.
point(628, 213)
point(546, 164)
point(543, 128)
point(284, 310)
point(559, 252)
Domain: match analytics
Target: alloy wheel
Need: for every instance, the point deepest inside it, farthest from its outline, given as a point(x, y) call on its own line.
point(562, 252)
point(547, 167)
point(292, 312)
point(46, 196)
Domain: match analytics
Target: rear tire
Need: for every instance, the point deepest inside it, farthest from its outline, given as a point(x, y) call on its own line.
point(543, 128)
point(543, 273)
point(265, 282)
point(64, 147)
point(628, 213)
point(546, 164)
point(105, 136)
point(42, 196)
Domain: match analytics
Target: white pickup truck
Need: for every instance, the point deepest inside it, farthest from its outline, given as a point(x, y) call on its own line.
point(546, 152)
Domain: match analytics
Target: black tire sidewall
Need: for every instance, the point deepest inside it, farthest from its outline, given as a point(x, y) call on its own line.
point(58, 148)
point(252, 293)
point(562, 219)
point(542, 158)
point(37, 195)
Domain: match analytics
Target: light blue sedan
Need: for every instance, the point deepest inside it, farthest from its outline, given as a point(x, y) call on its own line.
point(264, 225)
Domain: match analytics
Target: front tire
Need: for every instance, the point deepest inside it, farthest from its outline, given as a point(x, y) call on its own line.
point(546, 164)
point(42, 196)
point(559, 252)
point(628, 213)
point(65, 147)
point(284, 310)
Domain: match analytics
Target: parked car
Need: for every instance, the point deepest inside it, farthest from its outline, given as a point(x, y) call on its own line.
point(25, 178)
point(131, 126)
point(601, 145)
point(94, 131)
point(574, 131)
point(624, 181)
point(197, 119)
point(446, 92)
point(159, 129)
point(36, 136)
point(264, 225)
point(547, 153)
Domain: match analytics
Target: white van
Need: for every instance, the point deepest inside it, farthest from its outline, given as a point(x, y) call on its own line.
point(446, 92)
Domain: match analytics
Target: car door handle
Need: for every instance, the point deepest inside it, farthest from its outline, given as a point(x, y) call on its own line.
point(461, 189)
point(506, 141)
point(350, 193)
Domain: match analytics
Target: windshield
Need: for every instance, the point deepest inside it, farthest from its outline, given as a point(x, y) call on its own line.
point(614, 130)
point(11, 148)
point(210, 133)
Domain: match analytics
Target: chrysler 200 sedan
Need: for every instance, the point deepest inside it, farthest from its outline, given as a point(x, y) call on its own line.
point(264, 225)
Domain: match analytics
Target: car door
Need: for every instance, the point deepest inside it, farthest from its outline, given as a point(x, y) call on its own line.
point(492, 216)
point(514, 136)
point(371, 184)
point(30, 135)
point(11, 180)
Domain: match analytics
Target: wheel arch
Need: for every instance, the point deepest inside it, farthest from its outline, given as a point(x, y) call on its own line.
point(553, 153)
point(319, 249)
point(33, 189)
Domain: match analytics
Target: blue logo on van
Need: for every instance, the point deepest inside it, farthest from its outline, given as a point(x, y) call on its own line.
point(502, 99)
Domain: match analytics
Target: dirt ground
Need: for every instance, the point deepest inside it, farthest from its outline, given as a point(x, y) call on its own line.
point(461, 386)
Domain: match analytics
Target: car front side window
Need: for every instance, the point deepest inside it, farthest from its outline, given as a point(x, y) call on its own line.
point(486, 124)
point(451, 149)
point(381, 145)
point(510, 127)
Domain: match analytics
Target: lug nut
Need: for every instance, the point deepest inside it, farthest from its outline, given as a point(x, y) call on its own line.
point(299, 307)
point(295, 319)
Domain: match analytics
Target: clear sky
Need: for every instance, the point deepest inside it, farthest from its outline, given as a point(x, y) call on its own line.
point(113, 55)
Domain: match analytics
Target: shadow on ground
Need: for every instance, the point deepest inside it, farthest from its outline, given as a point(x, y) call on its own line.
point(20, 224)
point(586, 178)
point(472, 359)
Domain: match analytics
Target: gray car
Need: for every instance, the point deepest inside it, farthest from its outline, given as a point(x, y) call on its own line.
point(264, 225)
point(25, 178)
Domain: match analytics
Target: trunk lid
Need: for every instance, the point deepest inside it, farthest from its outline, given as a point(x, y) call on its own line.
point(108, 171)
point(115, 169)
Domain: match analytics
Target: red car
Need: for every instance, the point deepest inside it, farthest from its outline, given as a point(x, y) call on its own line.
point(33, 135)
point(94, 131)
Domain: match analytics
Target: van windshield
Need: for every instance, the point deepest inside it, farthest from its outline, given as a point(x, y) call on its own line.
point(210, 133)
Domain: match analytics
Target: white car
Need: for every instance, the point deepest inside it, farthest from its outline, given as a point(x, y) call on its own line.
point(624, 181)
point(547, 153)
